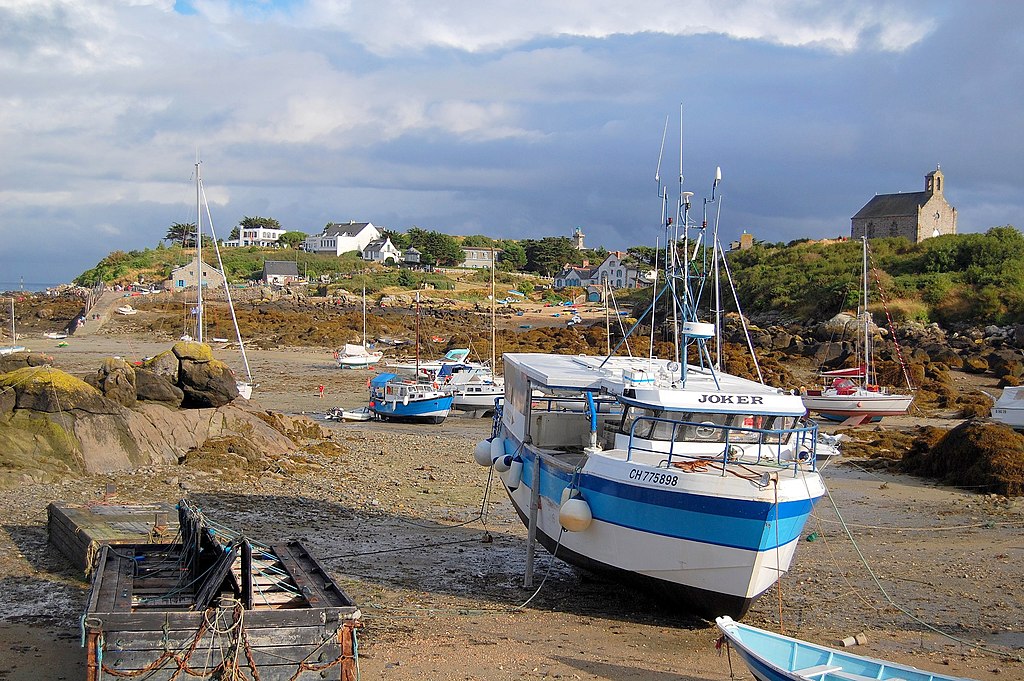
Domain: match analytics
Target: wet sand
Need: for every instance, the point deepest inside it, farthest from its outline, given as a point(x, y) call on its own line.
point(397, 520)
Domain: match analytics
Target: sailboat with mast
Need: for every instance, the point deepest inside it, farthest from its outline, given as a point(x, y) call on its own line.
point(853, 395)
point(659, 472)
point(14, 347)
point(354, 356)
point(475, 388)
point(246, 386)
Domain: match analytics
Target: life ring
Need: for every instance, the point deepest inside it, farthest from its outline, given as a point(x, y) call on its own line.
point(435, 385)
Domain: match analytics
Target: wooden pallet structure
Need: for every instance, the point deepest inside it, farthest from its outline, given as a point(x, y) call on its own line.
point(79, 531)
point(217, 605)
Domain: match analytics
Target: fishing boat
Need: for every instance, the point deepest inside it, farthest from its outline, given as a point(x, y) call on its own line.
point(1009, 408)
point(245, 387)
point(354, 356)
point(393, 398)
point(774, 657)
point(55, 335)
point(660, 473)
point(852, 395)
point(126, 310)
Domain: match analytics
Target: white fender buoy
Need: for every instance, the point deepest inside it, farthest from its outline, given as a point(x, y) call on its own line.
point(514, 475)
point(497, 448)
point(405, 400)
point(503, 463)
point(574, 515)
point(482, 453)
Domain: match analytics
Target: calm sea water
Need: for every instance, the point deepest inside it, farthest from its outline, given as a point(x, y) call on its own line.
point(27, 285)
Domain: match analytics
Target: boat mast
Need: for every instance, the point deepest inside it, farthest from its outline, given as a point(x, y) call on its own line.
point(199, 254)
point(867, 316)
point(494, 365)
point(417, 335)
point(364, 316)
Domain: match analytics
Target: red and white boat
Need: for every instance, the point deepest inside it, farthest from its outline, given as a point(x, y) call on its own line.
point(852, 395)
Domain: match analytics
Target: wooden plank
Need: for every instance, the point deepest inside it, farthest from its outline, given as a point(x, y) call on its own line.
point(125, 578)
point(307, 585)
point(259, 637)
point(155, 621)
point(313, 567)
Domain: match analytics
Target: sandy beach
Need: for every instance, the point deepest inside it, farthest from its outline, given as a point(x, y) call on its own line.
point(431, 550)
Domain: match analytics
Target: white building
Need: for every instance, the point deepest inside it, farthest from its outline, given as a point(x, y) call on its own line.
point(611, 270)
point(260, 236)
point(342, 238)
point(615, 272)
point(382, 250)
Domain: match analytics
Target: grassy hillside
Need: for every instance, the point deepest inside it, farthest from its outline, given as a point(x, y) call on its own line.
point(973, 278)
point(976, 278)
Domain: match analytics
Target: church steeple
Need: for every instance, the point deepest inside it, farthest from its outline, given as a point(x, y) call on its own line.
point(933, 181)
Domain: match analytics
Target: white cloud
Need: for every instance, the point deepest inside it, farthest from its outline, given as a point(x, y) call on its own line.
point(390, 27)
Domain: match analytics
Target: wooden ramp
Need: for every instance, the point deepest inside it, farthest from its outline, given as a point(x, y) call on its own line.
point(217, 605)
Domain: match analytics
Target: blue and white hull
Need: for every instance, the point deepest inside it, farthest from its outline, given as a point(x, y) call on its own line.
point(712, 551)
point(395, 399)
point(699, 495)
point(429, 410)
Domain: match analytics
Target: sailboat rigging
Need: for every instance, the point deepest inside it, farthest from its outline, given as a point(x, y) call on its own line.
point(244, 387)
point(354, 356)
point(853, 395)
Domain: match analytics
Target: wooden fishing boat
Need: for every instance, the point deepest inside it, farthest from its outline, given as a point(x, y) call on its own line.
point(774, 657)
point(217, 605)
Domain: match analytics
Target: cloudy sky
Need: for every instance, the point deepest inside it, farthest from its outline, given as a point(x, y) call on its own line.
point(513, 119)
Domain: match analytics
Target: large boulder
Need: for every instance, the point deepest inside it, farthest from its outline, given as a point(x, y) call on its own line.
point(164, 364)
point(18, 360)
point(206, 384)
point(52, 391)
point(116, 380)
point(151, 386)
point(192, 351)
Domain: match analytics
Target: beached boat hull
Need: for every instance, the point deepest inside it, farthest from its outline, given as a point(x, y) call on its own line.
point(774, 657)
point(862, 403)
point(422, 411)
point(1009, 408)
point(359, 362)
point(702, 544)
point(394, 399)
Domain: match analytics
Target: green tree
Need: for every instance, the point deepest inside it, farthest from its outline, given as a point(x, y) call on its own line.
point(292, 239)
point(259, 223)
point(236, 233)
point(512, 256)
point(401, 241)
point(437, 248)
point(477, 241)
point(547, 256)
point(183, 233)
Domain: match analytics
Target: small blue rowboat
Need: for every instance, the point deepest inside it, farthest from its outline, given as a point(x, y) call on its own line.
point(774, 657)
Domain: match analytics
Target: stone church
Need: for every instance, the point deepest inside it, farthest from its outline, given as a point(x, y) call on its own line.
point(915, 215)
